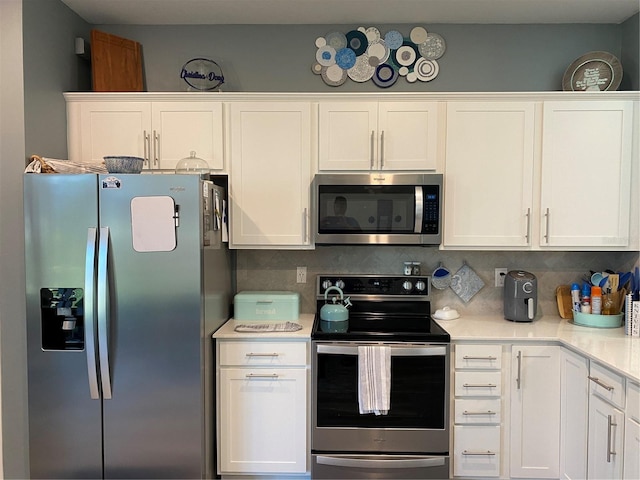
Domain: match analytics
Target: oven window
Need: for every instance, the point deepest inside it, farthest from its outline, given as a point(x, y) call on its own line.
point(366, 209)
point(418, 394)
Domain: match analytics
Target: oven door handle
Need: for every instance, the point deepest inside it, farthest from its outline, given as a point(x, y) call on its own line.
point(386, 462)
point(396, 351)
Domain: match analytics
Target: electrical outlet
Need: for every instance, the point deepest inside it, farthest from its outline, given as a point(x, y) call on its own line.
point(301, 275)
point(500, 273)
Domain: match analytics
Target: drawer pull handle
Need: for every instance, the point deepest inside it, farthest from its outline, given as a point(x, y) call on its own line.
point(262, 375)
point(601, 383)
point(488, 452)
point(479, 385)
point(488, 412)
point(251, 354)
point(489, 357)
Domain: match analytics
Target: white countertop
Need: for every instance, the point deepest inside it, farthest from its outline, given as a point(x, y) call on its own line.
point(609, 346)
point(227, 331)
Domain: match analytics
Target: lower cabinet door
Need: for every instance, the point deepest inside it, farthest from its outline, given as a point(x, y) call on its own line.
point(263, 420)
point(606, 426)
point(476, 451)
point(631, 450)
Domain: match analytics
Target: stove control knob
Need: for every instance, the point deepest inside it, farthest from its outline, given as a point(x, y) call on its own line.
point(326, 284)
point(340, 284)
point(407, 285)
point(420, 286)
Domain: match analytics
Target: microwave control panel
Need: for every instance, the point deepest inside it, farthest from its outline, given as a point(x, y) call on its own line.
point(431, 206)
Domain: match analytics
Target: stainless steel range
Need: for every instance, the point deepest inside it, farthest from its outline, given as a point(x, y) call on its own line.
point(411, 439)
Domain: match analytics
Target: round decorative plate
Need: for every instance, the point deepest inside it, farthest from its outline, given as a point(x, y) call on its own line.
point(373, 34)
point(418, 35)
point(385, 75)
point(333, 75)
point(393, 39)
point(336, 39)
point(426, 70)
point(326, 56)
point(433, 47)
point(345, 58)
point(405, 56)
point(593, 71)
point(357, 41)
point(362, 70)
point(379, 51)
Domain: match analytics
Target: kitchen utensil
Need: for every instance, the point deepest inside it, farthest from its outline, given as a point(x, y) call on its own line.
point(446, 313)
point(192, 164)
point(624, 279)
point(466, 283)
point(596, 278)
point(614, 282)
point(441, 277)
point(565, 304)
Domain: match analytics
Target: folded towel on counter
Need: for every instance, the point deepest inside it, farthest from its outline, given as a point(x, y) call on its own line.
point(374, 379)
point(268, 327)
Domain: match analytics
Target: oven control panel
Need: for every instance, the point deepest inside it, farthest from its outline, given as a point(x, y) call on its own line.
point(372, 285)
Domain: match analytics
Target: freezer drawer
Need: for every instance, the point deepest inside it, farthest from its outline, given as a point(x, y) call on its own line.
point(379, 466)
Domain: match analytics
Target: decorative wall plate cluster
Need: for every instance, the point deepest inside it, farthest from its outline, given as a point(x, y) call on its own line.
point(365, 54)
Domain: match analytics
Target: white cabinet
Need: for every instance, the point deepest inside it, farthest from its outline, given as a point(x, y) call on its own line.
point(586, 148)
point(606, 423)
point(631, 470)
point(477, 431)
point(535, 411)
point(489, 174)
point(262, 407)
point(574, 415)
point(270, 174)
point(161, 132)
point(518, 173)
point(363, 136)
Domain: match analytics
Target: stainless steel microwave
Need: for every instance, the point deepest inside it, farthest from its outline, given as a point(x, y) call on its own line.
point(377, 208)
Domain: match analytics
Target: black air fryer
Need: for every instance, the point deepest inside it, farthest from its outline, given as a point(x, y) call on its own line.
point(520, 296)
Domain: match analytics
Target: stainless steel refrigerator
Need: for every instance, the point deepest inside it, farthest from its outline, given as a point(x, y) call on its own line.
point(127, 278)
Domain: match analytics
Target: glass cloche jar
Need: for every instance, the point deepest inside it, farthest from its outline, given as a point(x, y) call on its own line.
point(192, 164)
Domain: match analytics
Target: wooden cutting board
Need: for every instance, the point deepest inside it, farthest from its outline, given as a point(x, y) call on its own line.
point(116, 63)
point(565, 305)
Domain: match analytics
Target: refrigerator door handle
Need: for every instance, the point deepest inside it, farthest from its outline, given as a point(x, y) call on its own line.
point(89, 312)
point(103, 312)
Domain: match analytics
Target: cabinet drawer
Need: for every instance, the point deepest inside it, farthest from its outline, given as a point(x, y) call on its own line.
point(476, 451)
point(473, 411)
point(607, 384)
point(478, 356)
point(259, 353)
point(478, 384)
point(633, 401)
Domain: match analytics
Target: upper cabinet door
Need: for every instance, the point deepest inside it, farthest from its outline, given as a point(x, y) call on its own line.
point(365, 136)
point(489, 168)
point(348, 133)
point(111, 128)
point(408, 135)
point(182, 127)
point(270, 174)
point(586, 174)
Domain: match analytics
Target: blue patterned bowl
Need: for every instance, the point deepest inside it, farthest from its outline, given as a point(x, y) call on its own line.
point(123, 164)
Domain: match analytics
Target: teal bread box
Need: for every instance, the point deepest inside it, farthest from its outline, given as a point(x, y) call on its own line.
point(266, 306)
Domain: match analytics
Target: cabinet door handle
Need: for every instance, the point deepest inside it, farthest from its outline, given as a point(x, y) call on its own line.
point(611, 424)
point(382, 149)
point(519, 369)
point(156, 147)
point(546, 227)
point(146, 145)
point(601, 383)
point(528, 215)
point(479, 385)
point(305, 234)
point(469, 452)
point(262, 375)
point(488, 412)
point(372, 147)
point(488, 357)
point(251, 354)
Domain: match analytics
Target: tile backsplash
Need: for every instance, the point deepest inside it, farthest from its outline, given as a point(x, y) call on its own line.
point(276, 270)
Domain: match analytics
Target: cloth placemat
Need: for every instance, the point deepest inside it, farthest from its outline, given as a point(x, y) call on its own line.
point(268, 327)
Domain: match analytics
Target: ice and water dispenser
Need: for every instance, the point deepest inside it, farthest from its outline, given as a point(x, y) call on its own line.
point(62, 318)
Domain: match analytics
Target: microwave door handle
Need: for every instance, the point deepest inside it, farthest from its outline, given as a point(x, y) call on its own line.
point(417, 227)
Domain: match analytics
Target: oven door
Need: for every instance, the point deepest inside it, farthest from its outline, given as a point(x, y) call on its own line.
point(418, 418)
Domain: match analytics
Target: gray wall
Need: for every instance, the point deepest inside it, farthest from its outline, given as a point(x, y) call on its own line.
point(630, 56)
point(278, 58)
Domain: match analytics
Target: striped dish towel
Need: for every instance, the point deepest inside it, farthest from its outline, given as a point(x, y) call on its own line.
point(374, 379)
